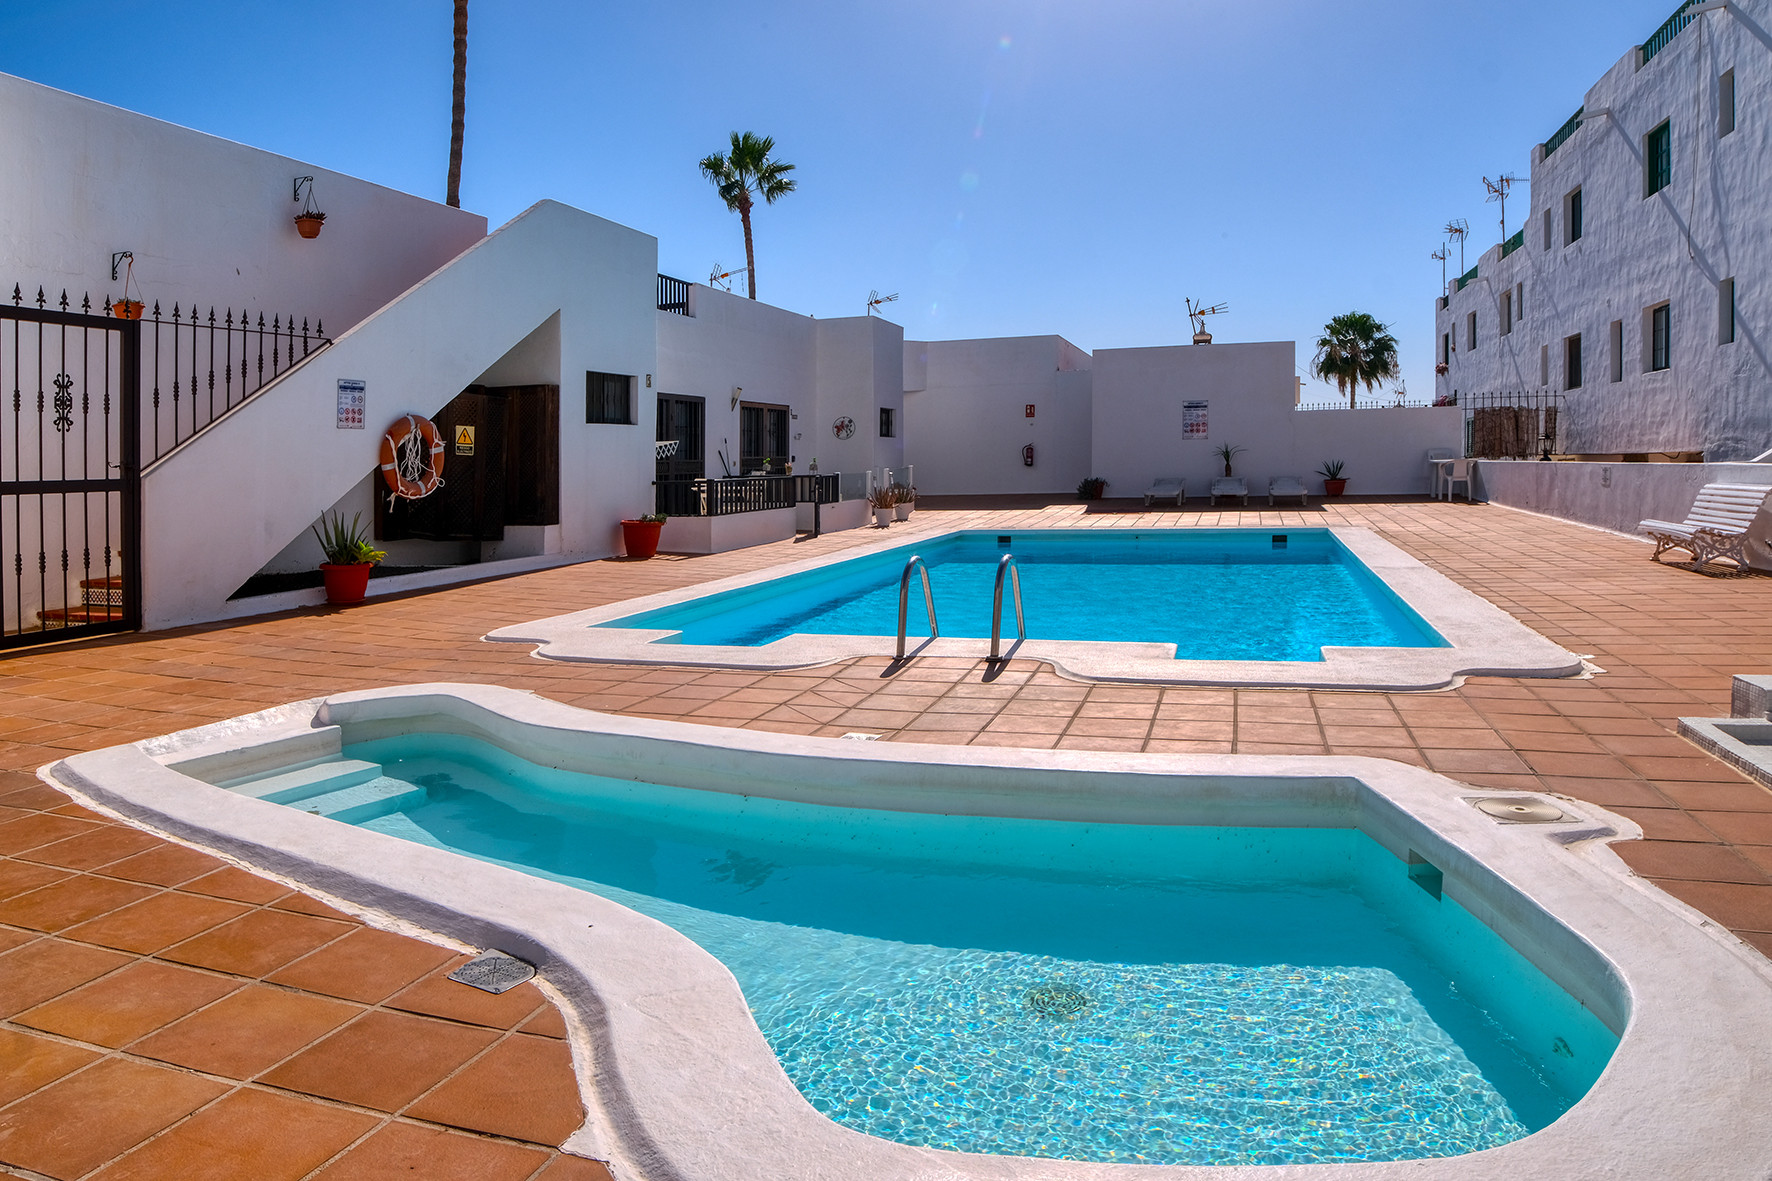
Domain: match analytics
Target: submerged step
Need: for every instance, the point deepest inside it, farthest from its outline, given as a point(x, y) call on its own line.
point(364, 801)
point(287, 787)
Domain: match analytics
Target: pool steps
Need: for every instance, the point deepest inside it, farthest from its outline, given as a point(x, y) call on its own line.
point(309, 778)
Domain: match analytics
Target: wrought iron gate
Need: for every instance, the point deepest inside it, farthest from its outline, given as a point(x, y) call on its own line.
point(70, 472)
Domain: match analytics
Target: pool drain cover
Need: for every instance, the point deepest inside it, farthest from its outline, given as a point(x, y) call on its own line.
point(1057, 1000)
point(493, 971)
point(1519, 809)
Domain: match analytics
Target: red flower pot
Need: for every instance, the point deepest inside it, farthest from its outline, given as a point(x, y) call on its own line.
point(1334, 487)
point(640, 538)
point(346, 584)
point(309, 226)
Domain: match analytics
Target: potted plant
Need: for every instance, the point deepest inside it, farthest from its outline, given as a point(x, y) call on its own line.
point(349, 558)
point(1227, 453)
point(640, 537)
point(904, 500)
point(1091, 488)
point(883, 501)
point(308, 223)
point(1334, 484)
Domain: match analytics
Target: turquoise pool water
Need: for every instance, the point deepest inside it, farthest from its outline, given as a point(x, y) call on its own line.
point(1100, 992)
point(1217, 594)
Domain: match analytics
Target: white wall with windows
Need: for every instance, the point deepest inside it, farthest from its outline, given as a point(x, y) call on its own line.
point(1637, 284)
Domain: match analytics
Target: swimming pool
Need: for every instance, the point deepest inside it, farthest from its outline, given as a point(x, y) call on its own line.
point(1330, 608)
point(1339, 859)
point(1161, 993)
point(1214, 594)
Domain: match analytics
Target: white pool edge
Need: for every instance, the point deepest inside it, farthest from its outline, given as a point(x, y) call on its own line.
point(1482, 639)
point(680, 1083)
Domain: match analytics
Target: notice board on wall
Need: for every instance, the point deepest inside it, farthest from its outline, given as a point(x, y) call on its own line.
point(1194, 423)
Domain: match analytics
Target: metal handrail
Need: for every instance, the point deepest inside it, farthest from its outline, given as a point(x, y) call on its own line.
point(1005, 566)
point(904, 600)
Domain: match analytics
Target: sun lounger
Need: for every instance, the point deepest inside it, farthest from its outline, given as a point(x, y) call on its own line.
point(1287, 486)
point(1164, 488)
point(1716, 527)
point(1230, 486)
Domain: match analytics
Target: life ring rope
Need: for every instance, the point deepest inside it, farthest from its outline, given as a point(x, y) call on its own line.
point(412, 458)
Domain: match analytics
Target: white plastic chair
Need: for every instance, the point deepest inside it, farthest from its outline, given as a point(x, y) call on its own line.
point(1460, 472)
point(1434, 466)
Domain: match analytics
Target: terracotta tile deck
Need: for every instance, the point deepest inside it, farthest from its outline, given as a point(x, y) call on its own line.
point(204, 1023)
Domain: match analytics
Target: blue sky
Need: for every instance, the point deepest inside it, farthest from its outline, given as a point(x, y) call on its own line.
point(1007, 168)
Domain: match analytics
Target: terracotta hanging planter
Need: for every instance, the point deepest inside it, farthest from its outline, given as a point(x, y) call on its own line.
point(308, 224)
point(127, 309)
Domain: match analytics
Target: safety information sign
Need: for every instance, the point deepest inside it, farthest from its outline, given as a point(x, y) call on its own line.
point(350, 404)
point(464, 440)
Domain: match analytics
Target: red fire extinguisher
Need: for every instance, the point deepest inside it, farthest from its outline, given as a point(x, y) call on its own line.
point(1027, 456)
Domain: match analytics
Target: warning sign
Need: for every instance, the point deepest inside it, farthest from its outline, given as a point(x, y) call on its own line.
point(464, 440)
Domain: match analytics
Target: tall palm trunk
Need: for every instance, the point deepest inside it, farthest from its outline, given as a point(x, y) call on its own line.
point(459, 123)
point(750, 252)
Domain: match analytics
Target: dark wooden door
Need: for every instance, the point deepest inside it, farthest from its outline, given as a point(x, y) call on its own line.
point(470, 504)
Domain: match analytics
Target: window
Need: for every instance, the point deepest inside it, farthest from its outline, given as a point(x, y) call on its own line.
point(1572, 217)
point(682, 420)
point(1726, 311)
point(609, 398)
point(1507, 312)
point(1544, 364)
point(762, 438)
point(1572, 362)
point(1617, 335)
point(1658, 337)
point(1520, 301)
point(1547, 229)
point(1658, 160)
point(1726, 103)
point(1445, 348)
point(1470, 332)
point(886, 423)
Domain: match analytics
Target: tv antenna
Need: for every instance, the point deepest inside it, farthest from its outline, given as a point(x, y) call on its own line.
point(1459, 229)
point(1498, 192)
point(1197, 312)
point(875, 299)
point(723, 279)
point(1440, 257)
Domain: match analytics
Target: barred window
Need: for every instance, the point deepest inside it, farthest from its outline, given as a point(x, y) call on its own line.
point(609, 398)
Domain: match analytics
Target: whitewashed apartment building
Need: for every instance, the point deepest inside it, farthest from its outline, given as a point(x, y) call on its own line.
point(1636, 289)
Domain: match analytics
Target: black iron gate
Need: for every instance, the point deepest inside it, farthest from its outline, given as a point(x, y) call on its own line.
point(70, 472)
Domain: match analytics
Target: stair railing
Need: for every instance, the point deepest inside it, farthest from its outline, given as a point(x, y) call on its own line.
point(904, 600)
point(1006, 566)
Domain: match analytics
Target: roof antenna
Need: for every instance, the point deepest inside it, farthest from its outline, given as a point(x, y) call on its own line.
point(1459, 229)
point(1498, 192)
point(875, 299)
point(1197, 312)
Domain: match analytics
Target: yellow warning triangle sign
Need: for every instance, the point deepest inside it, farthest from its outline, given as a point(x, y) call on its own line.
point(464, 436)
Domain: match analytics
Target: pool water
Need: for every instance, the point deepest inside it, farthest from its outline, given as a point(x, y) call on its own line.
point(1103, 992)
point(1216, 594)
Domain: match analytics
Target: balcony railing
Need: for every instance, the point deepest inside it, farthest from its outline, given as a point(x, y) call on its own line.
point(701, 497)
point(1466, 278)
point(1561, 135)
point(1670, 28)
point(673, 295)
point(1513, 243)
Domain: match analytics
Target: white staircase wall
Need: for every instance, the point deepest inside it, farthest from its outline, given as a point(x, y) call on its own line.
point(218, 509)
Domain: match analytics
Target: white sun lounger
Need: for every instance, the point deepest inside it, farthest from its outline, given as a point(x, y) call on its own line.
point(1230, 486)
point(1164, 488)
point(1716, 527)
point(1287, 486)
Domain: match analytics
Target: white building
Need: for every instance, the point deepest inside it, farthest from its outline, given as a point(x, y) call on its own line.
point(1635, 289)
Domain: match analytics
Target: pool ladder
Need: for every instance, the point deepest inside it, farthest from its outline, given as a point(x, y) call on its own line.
point(904, 600)
point(1006, 566)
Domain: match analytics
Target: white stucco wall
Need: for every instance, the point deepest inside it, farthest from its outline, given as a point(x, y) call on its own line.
point(860, 371)
point(966, 418)
point(1709, 224)
point(1249, 388)
point(209, 220)
point(415, 355)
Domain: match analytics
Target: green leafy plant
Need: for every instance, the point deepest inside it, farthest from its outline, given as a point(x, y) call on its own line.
point(346, 545)
point(742, 175)
point(655, 518)
point(1227, 452)
point(1355, 350)
point(1331, 469)
point(903, 494)
point(881, 498)
point(1091, 488)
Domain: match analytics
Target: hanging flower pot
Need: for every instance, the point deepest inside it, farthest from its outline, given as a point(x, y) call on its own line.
point(127, 309)
point(308, 224)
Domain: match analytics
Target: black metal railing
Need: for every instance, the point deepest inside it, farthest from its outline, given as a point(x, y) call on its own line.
point(817, 489)
point(1562, 134)
point(701, 497)
point(673, 295)
point(1512, 424)
point(1670, 28)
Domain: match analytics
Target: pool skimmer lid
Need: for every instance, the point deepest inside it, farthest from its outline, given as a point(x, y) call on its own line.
point(1519, 809)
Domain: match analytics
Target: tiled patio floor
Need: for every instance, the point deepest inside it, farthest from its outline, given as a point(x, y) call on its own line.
point(1668, 639)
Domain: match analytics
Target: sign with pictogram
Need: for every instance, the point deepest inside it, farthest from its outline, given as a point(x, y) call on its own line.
point(464, 440)
point(1028, 410)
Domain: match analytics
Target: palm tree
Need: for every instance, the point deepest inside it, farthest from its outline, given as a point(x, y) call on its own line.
point(459, 122)
point(1355, 350)
point(742, 173)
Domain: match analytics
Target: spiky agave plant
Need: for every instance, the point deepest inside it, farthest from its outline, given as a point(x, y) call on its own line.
point(346, 545)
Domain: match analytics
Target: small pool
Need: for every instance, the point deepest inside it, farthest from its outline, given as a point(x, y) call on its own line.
point(1216, 594)
point(1161, 993)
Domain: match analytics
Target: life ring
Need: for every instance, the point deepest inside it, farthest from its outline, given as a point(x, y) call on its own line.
point(412, 457)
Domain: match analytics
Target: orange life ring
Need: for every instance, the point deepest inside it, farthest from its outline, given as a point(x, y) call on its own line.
point(412, 467)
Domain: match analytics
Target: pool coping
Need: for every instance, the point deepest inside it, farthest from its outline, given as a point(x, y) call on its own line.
point(1482, 639)
point(677, 1079)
